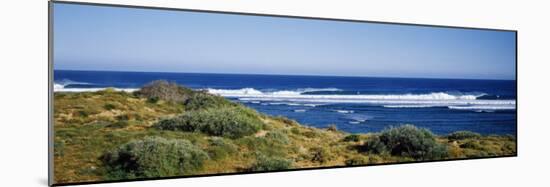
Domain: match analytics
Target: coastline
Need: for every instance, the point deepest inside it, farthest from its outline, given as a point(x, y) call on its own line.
point(89, 125)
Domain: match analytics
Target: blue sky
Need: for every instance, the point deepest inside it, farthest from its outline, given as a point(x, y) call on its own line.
point(127, 39)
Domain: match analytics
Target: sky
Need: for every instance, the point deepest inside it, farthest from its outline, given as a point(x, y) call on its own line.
point(128, 39)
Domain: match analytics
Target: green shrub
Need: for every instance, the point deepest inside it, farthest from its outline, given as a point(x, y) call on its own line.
point(161, 89)
point(408, 141)
point(374, 145)
point(277, 137)
point(352, 138)
point(461, 135)
point(153, 157)
point(232, 122)
point(203, 100)
point(357, 161)
point(264, 163)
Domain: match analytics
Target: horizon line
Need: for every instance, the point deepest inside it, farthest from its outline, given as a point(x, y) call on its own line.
point(312, 75)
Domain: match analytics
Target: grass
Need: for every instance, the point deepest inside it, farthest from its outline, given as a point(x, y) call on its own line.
point(95, 130)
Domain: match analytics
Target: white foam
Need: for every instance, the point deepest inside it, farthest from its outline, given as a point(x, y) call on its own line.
point(94, 89)
point(435, 99)
point(409, 106)
point(300, 110)
point(344, 111)
point(484, 107)
point(59, 86)
point(385, 101)
point(282, 103)
point(253, 93)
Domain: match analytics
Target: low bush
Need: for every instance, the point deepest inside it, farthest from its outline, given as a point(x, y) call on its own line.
point(161, 89)
point(374, 145)
point(232, 122)
point(264, 163)
point(203, 100)
point(461, 135)
point(220, 149)
point(407, 141)
point(352, 138)
point(153, 157)
point(277, 137)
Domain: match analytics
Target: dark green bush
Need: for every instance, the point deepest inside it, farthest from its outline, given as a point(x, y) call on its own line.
point(161, 89)
point(461, 135)
point(408, 141)
point(352, 138)
point(203, 100)
point(232, 122)
point(374, 145)
point(264, 163)
point(153, 157)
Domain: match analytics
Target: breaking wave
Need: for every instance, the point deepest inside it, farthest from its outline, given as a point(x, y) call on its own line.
point(434, 99)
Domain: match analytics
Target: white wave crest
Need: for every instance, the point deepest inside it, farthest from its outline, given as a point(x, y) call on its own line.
point(253, 93)
point(57, 88)
point(435, 99)
point(409, 106)
point(344, 111)
point(484, 107)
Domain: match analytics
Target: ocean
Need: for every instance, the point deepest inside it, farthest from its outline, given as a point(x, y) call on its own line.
point(353, 104)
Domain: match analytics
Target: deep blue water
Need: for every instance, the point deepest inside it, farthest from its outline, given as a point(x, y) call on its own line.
point(353, 104)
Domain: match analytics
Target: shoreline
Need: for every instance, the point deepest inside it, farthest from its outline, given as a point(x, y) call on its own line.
point(92, 125)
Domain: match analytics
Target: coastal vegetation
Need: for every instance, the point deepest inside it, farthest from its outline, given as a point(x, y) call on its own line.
point(165, 129)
